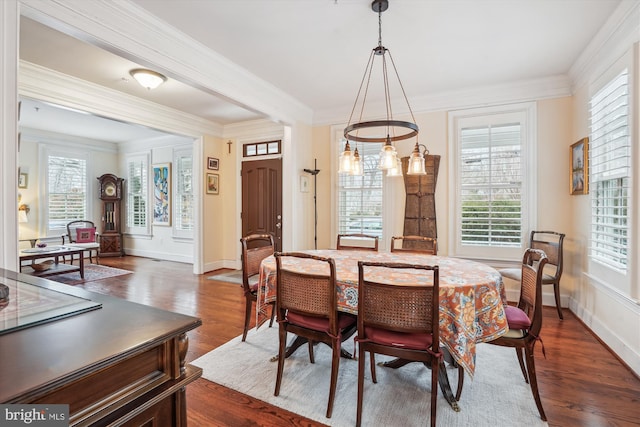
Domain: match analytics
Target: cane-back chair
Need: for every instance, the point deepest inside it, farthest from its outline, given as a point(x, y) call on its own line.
point(255, 248)
point(307, 307)
point(400, 321)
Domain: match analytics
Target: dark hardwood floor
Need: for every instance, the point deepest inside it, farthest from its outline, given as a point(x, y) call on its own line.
point(581, 382)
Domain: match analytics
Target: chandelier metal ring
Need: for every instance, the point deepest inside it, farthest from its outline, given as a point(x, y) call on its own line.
point(412, 127)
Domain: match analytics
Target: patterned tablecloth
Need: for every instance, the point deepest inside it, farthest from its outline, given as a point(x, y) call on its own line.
point(471, 294)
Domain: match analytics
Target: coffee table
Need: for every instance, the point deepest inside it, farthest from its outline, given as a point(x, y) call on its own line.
point(54, 252)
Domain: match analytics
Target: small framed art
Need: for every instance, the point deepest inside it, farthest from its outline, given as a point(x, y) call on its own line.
point(579, 168)
point(213, 183)
point(23, 180)
point(162, 194)
point(213, 163)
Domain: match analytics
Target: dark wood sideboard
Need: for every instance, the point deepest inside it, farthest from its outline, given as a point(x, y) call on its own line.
point(122, 364)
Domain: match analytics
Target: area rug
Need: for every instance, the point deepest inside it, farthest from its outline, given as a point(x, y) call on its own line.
point(496, 396)
point(91, 272)
point(231, 277)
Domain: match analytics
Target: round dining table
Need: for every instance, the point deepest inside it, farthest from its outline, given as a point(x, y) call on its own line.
point(472, 295)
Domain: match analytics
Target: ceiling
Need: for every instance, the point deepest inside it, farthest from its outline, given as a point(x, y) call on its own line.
point(316, 50)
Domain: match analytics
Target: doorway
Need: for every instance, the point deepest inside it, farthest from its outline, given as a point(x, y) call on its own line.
point(262, 199)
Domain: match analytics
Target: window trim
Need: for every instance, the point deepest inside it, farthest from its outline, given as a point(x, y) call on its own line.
point(45, 151)
point(621, 281)
point(527, 112)
point(126, 229)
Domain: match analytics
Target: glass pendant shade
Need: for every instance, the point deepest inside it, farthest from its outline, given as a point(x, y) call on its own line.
point(396, 170)
point(345, 162)
point(388, 156)
point(416, 163)
point(357, 167)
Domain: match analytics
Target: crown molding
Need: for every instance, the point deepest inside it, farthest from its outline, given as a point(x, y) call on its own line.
point(618, 34)
point(47, 137)
point(49, 85)
point(505, 93)
point(257, 129)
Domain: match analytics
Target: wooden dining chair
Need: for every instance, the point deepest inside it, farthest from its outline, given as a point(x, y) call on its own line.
point(525, 321)
point(400, 321)
point(307, 306)
point(416, 244)
point(361, 242)
point(551, 243)
point(255, 248)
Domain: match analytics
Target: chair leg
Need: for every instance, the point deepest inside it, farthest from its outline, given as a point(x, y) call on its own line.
point(335, 365)
point(460, 382)
point(533, 382)
point(435, 366)
point(312, 358)
point(372, 359)
point(247, 317)
point(361, 356)
point(282, 337)
point(273, 313)
point(97, 260)
point(556, 291)
point(521, 362)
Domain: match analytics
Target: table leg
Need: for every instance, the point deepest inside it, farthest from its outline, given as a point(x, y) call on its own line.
point(300, 341)
point(81, 265)
point(443, 379)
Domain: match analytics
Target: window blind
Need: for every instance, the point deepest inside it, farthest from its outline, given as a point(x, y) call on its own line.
point(491, 185)
point(360, 197)
point(67, 190)
point(610, 167)
point(137, 193)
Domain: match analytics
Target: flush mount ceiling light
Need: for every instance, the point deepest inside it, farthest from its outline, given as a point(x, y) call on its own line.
point(388, 130)
point(147, 78)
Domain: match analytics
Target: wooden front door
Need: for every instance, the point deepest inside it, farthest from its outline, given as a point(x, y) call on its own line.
point(262, 198)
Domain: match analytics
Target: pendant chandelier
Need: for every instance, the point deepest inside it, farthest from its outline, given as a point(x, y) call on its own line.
point(388, 130)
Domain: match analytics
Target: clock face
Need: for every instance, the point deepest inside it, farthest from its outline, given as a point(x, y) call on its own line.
point(110, 189)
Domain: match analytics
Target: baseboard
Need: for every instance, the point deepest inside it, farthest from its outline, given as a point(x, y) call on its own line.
point(186, 259)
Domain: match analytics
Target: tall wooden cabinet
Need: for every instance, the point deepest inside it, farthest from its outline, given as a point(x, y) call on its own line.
point(110, 191)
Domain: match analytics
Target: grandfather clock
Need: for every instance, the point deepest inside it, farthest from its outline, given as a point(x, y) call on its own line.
point(111, 195)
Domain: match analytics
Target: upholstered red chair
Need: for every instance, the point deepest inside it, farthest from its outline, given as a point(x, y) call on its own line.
point(551, 243)
point(525, 320)
point(417, 244)
point(361, 242)
point(82, 234)
point(307, 307)
point(400, 321)
point(255, 248)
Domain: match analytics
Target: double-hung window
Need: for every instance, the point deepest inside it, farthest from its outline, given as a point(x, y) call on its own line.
point(184, 220)
point(610, 181)
point(492, 166)
point(137, 212)
point(360, 197)
point(66, 188)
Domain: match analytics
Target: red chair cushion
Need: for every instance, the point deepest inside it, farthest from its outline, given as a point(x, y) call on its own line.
point(85, 235)
point(516, 318)
point(319, 323)
point(399, 339)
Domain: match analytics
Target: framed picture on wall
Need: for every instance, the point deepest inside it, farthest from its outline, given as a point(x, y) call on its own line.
point(162, 194)
point(23, 180)
point(213, 183)
point(579, 168)
point(213, 163)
